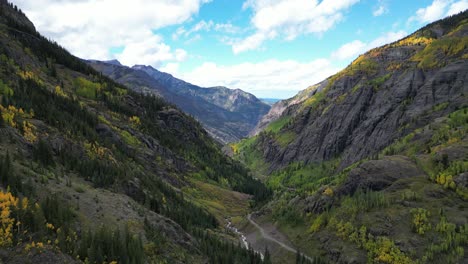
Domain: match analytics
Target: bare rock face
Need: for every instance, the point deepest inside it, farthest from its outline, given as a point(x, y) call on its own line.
point(377, 175)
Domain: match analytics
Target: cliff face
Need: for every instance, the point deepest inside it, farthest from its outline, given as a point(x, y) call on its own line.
point(383, 95)
point(227, 114)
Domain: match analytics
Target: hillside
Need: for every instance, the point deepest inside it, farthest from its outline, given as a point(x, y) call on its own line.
point(371, 164)
point(228, 115)
point(94, 172)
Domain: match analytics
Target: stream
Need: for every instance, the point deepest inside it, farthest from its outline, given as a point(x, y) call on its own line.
point(263, 233)
point(241, 236)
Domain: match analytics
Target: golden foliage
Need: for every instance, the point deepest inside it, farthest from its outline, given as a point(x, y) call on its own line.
point(58, 91)
point(7, 202)
point(328, 191)
point(29, 132)
point(11, 114)
point(135, 120)
point(413, 41)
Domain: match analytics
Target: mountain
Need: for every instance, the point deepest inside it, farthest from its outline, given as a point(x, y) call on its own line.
point(92, 171)
point(227, 114)
point(371, 164)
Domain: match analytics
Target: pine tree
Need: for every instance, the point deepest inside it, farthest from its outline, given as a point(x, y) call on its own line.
point(2, 122)
point(266, 257)
point(298, 257)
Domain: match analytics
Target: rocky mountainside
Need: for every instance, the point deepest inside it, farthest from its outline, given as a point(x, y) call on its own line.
point(92, 171)
point(227, 114)
point(371, 164)
point(383, 95)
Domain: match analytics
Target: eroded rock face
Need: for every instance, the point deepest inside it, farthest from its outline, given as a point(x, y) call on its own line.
point(377, 175)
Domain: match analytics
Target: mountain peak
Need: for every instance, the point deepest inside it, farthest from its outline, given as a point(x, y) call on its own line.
point(114, 62)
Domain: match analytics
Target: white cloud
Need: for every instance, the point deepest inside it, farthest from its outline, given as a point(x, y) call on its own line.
point(263, 78)
point(380, 9)
point(290, 18)
point(438, 9)
point(354, 48)
point(457, 7)
point(252, 42)
point(227, 28)
point(205, 26)
point(172, 68)
point(89, 28)
point(349, 50)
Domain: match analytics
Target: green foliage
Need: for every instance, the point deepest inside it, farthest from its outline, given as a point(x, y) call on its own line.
point(246, 151)
point(43, 153)
point(8, 176)
point(356, 88)
point(362, 64)
point(314, 101)
point(129, 139)
point(449, 248)
point(105, 245)
point(56, 212)
point(87, 88)
point(285, 138)
point(420, 220)
point(440, 107)
point(319, 222)
point(364, 201)
point(379, 249)
point(303, 178)
point(65, 114)
point(287, 215)
point(377, 82)
point(5, 90)
point(452, 130)
point(222, 252)
point(449, 46)
point(278, 124)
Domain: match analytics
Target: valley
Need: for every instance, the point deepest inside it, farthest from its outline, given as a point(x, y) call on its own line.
point(104, 163)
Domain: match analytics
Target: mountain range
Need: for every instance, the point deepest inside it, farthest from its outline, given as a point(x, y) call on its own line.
point(227, 114)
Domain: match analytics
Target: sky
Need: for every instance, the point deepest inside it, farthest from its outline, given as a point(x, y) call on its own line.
point(271, 48)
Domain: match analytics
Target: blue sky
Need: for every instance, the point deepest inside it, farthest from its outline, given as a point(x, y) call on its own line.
point(271, 48)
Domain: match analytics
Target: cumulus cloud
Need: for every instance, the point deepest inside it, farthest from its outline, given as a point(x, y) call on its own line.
point(205, 26)
point(89, 29)
point(354, 48)
point(457, 7)
point(286, 77)
point(438, 9)
point(290, 18)
point(349, 50)
point(269, 77)
point(380, 9)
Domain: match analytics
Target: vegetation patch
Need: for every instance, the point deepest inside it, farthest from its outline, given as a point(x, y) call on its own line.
point(450, 46)
point(278, 124)
point(86, 88)
point(285, 138)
